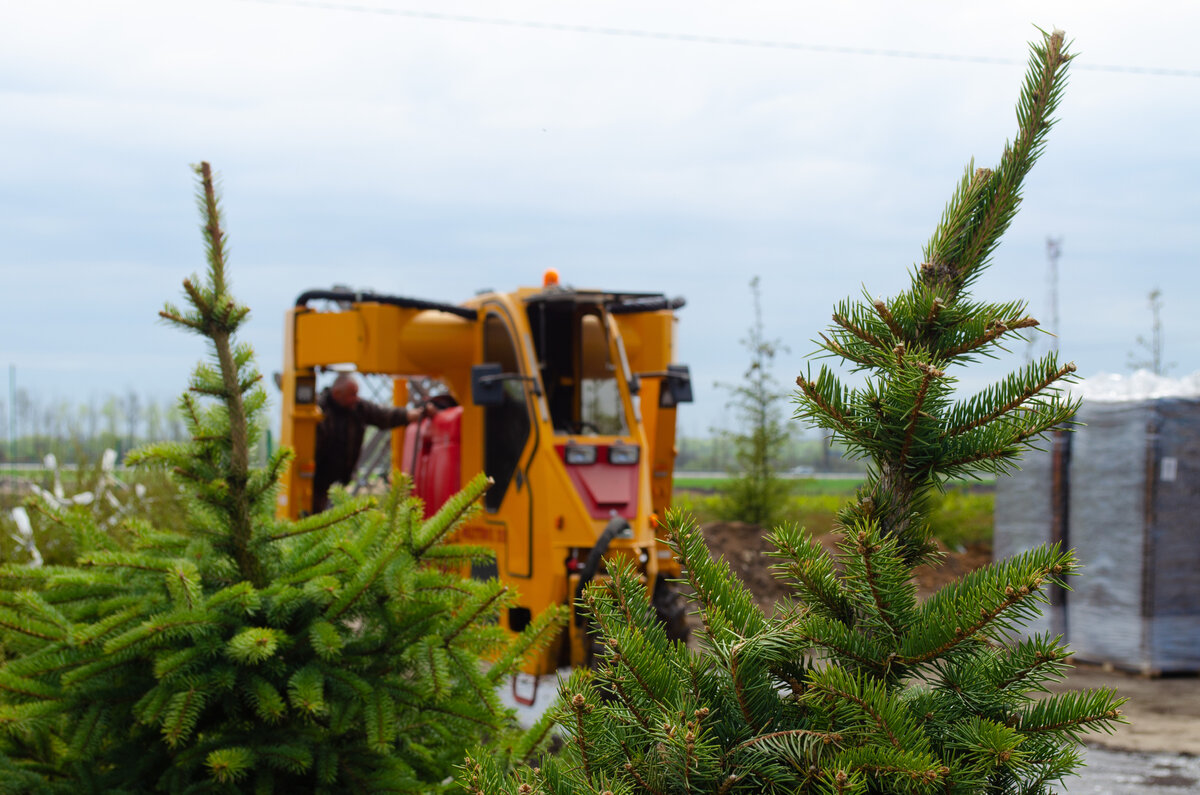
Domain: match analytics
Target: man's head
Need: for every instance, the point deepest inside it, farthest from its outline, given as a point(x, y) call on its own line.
point(345, 391)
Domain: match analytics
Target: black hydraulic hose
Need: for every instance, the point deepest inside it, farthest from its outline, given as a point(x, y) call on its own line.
point(614, 526)
point(652, 304)
point(392, 300)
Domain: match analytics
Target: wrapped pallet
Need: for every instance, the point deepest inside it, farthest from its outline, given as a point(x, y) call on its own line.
point(1031, 510)
point(1134, 509)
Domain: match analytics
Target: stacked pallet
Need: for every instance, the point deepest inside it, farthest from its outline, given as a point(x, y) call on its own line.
point(1123, 490)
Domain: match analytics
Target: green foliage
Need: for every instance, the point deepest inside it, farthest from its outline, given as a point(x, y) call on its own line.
point(755, 493)
point(856, 686)
point(235, 652)
point(959, 517)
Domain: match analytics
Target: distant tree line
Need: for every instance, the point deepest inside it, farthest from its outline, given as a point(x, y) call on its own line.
point(76, 432)
point(718, 454)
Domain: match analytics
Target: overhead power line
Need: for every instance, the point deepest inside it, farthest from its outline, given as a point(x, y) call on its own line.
point(692, 38)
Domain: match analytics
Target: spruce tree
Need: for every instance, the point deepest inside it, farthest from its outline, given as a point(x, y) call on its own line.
point(756, 494)
point(855, 686)
point(340, 653)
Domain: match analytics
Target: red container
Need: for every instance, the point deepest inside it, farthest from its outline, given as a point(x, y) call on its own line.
point(432, 457)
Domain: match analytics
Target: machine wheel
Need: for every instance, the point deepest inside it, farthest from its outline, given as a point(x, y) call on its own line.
point(671, 610)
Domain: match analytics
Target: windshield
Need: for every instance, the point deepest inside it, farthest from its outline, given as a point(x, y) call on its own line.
point(577, 367)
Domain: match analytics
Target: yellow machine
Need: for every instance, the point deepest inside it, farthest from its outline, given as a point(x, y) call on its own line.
point(565, 397)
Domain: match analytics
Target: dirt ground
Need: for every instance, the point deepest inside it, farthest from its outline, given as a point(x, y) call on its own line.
point(1163, 713)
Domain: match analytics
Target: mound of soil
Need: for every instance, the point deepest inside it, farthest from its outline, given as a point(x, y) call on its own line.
point(745, 547)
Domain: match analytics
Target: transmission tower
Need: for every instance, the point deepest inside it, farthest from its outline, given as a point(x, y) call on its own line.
point(1053, 251)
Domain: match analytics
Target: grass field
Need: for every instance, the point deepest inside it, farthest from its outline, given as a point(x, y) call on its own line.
point(963, 515)
point(840, 485)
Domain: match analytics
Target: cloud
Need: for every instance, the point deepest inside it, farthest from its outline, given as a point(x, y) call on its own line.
point(434, 158)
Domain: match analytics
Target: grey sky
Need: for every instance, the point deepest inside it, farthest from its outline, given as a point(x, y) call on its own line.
point(432, 158)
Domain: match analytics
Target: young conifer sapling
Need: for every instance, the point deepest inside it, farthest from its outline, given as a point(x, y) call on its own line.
point(340, 653)
point(854, 685)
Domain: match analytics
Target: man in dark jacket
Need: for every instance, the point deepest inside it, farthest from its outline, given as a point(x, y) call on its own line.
point(340, 434)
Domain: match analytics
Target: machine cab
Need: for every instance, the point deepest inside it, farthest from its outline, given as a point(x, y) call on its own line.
point(565, 398)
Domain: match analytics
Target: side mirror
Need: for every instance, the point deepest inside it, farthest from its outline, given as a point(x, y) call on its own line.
point(677, 386)
point(487, 385)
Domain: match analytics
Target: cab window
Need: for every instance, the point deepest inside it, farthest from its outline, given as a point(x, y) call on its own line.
point(577, 369)
point(506, 426)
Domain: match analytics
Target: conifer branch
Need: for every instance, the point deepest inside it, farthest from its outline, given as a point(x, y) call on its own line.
point(880, 722)
point(930, 373)
point(632, 669)
point(1071, 724)
point(454, 510)
point(739, 688)
point(867, 552)
point(826, 738)
point(42, 509)
point(618, 595)
point(843, 352)
point(1025, 395)
point(28, 688)
point(983, 455)
point(963, 633)
point(842, 650)
point(859, 332)
point(182, 321)
point(219, 333)
point(1008, 448)
point(809, 388)
point(535, 636)
point(813, 570)
point(987, 202)
point(935, 309)
point(995, 330)
point(632, 770)
point(619, 686)
point(26, 629)
point(882, 310)
point(1034, 116)
point(210, 391)
point(475, 612)
point(319, 522)
point(578, 706)
point(200, 301)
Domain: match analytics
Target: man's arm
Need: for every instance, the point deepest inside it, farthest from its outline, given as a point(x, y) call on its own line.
point(389, 416)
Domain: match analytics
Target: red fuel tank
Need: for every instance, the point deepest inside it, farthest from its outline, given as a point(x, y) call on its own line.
point(432, 454)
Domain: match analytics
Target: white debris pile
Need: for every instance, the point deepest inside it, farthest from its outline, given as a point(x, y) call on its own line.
point(24, 536)
point(119, 500)
point(1142, 385)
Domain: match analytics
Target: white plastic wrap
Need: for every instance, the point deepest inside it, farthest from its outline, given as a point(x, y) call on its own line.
point(1142, 385)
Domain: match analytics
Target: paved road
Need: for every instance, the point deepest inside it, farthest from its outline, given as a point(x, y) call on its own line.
point(1124, 773)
